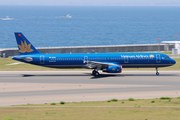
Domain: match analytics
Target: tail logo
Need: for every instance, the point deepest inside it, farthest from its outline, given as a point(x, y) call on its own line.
point(24, 47)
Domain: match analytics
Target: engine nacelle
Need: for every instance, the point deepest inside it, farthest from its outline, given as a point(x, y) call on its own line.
point(113, 69)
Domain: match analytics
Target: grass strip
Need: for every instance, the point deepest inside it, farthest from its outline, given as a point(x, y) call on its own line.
point(138, 109)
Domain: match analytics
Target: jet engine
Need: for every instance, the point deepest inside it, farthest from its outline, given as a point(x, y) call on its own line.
point(113, 69)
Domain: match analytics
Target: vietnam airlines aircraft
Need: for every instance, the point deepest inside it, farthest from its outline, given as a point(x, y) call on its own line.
point(107, 62)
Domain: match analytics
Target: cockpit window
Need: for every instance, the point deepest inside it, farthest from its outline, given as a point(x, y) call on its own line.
point(166, 57)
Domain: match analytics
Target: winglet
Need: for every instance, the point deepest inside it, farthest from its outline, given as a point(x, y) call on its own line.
point(25, 47)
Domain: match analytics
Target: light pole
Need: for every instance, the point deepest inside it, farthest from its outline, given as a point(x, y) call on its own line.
point(159, 43)
point(176, 37)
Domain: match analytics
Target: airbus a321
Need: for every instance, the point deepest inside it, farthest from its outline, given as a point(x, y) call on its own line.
point(107, 62)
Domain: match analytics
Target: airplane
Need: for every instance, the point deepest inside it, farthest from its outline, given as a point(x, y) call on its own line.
point(107, 62)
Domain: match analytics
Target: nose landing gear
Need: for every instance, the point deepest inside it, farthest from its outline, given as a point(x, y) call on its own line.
point(157, 73)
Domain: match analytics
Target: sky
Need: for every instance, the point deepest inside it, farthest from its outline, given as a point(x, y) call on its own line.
point(92, 2)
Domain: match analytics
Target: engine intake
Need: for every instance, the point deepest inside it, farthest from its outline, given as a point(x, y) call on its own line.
point(113, 69)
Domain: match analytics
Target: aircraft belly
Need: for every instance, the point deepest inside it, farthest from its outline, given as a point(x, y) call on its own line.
point(144, 65)
point(66, 66)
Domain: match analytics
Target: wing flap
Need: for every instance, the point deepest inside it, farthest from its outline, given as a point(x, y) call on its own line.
point(95, 64)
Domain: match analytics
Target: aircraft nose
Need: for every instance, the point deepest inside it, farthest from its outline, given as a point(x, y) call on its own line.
point(173, 61)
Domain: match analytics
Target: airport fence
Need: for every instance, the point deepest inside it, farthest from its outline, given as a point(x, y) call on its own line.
point(92, 49)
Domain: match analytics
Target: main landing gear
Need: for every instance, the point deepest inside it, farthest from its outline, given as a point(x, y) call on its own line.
point(95, 73)
point(157, 73)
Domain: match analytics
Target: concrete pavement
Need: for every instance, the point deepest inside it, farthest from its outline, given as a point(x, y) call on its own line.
point(34, 87)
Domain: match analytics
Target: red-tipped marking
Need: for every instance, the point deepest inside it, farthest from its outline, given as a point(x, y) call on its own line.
point(19, 34)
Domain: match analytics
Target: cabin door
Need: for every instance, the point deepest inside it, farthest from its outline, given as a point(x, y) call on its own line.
point(42, 59)
point(85, 59)
point(158, 58)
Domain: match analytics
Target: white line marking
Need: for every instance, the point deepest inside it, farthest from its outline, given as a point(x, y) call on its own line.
point(15, 63)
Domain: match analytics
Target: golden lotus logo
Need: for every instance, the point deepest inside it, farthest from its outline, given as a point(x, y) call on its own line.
point(24, 47)
point(151, 56)
point(113, 69)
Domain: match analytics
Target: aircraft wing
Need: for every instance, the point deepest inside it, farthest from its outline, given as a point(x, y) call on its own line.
point(94, 64)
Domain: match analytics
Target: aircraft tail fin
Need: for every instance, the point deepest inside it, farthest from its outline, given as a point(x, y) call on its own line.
point(25, 47)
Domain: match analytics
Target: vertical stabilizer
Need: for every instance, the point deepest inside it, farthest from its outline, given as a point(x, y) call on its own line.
point(25, 47)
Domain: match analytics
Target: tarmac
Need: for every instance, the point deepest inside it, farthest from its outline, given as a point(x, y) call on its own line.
point(39, 87)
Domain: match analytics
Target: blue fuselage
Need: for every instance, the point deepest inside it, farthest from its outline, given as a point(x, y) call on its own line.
point(79, 60)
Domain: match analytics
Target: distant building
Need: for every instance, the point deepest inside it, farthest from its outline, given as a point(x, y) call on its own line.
point(176, 49)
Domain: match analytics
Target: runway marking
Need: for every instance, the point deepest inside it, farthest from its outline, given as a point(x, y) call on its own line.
point(15, 63)
point(15, 87)
point(117, 95)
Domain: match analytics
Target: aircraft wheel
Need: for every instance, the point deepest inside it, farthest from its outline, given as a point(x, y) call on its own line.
point(96, 73)
point(157, 73)
point(93, 72)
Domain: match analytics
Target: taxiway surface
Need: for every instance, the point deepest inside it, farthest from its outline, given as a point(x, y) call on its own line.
point(34, 87)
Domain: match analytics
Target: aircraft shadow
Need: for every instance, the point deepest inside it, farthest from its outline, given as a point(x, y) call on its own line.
point(125, 75)
point(71, 75)
point(86, 74)
point(28, 75)
point(96, 77)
